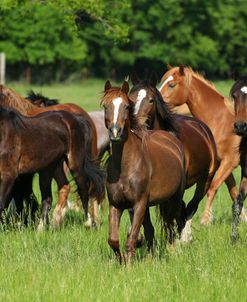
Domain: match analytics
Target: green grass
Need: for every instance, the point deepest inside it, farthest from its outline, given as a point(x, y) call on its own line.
point(75, 264)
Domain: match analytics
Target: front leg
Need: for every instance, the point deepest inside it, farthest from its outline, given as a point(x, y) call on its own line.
point(139, 212)
point(114, 221)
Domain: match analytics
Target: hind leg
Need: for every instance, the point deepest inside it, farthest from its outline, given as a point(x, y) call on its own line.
point(45, 188)
point(148, 230)
point(224, 172)
point(6, 186)
point(63, 192)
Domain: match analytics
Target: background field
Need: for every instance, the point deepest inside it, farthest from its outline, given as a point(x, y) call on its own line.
point(76, 264)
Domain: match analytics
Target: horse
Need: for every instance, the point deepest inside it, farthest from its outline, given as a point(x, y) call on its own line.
point(238, 93)
point(25, 107)
point(145, 168)
point(103, 143)
point(200, 167)
point(41, 144)
point(183, 85)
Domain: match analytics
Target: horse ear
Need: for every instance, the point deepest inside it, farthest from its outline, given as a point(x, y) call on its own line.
point(168, 66)
point(181, 69)
point(125, 87)
point(107, 85)
point(153, 80)
point(134, 78)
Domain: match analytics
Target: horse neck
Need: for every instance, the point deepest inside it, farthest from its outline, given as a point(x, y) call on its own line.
point(205, 103)
point(121, 152)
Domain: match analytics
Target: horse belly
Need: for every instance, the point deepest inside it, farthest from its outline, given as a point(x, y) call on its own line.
point(168, 179)
point(37, 156)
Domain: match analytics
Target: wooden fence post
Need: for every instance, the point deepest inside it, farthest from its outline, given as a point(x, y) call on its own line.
point(2, 68)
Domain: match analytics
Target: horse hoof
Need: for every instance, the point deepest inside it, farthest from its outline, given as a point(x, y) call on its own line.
point(91, 224)
point(186, 235)
point(41, 227)
point(243, 215)
point(207, 220)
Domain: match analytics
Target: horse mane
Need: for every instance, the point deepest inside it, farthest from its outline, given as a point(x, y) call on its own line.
point(14, 100)
point(163, 109)
point(33, 97)
point(242, 81)
point(11, 115)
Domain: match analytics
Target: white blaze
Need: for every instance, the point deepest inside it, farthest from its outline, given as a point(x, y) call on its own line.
point(141, 95)
point(116, 103)
point(170, 78)
point(244, 89)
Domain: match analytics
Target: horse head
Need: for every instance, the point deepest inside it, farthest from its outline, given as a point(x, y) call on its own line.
point(117, 107)
point(238, 93)
point(175, 85)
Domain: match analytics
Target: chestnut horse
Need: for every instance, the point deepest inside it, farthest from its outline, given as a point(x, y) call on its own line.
point(200, 167)
point(41, 144)
point(239, 95)
point(25, 107)
point(144, 169)
point(182, 85)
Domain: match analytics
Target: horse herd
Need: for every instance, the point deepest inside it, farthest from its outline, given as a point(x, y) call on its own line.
point(154, 153)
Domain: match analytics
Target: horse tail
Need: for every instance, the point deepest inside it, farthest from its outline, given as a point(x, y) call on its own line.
point(96, 178)
point(93, 171)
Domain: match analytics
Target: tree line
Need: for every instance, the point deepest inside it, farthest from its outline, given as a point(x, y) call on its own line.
point(60, 39)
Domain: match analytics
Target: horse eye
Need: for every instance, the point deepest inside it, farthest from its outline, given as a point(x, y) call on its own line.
point(151, 101)
point(172, 85)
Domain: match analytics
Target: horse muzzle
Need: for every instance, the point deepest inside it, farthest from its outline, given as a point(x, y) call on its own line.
point(240, 128)
point(115, 133)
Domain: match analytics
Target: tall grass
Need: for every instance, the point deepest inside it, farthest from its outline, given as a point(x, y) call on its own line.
point(75, 264)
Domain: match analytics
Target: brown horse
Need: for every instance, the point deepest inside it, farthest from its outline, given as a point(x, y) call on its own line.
point(200, 166)
point(41, 144)
point(144, 169)
point(239, 95)
point(25, 107)
point(182, 85)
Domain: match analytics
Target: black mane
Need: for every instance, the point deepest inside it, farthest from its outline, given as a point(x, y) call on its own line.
point(12, 115)
point(33, 97)
point(162, 108)
point(242, 81)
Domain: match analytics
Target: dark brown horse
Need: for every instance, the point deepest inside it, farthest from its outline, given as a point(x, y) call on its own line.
point(144, 169)
point(103, 143)
point(41, 144)
point(182, 85)
point(239, 95)
point(200, 167)
point(25, 107)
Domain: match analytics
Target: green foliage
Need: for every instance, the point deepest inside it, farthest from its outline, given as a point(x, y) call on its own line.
point(111, 38)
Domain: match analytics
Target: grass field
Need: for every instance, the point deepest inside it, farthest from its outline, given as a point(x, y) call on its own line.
point(75, 264)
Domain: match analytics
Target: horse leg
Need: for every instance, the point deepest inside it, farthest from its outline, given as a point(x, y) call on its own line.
point(139, 213)
point(46, 194)
point(223, 173)
point(148, 230)
point(63, 192)
point(114, 221)
point(93, 214)
point(232, 187)
point(140, 236)
point(237, 207)
point(201, 190)
point(6, 186)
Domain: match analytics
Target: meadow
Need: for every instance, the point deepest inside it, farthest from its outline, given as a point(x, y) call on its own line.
point(76, 264)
